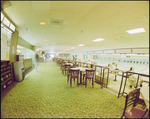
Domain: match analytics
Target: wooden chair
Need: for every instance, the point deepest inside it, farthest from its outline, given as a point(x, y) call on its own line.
point(65, 68)
point(141, 102)
point(130, 111)
point(89, 75)
point(76, 65)
point(73, 74)
point(62, 65)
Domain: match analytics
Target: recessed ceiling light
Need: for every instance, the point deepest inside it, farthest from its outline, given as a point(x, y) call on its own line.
point(42, 23)
point(81, 45)
point(72, 47)
point(46, 44)
point(139, 30)
point(99, 39)
point(46, 40)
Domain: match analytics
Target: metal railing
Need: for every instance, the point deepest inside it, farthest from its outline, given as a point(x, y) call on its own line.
point(126, 72)
point(102, 76)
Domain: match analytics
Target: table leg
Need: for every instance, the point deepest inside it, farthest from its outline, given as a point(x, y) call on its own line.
point(81, 78)
point(115, 78)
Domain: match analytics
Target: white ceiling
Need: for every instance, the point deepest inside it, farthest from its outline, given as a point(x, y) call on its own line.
point(83, 21)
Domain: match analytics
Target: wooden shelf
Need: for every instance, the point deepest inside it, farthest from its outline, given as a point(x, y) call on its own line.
point(5, 81)
point(3, 73)
point(5, 63)
point(2, 92)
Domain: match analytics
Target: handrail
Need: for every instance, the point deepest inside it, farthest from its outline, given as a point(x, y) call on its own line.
point(123, 72)
point(101, 82)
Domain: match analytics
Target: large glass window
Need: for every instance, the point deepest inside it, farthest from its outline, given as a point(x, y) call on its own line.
point(12, 27)
point(6, 21)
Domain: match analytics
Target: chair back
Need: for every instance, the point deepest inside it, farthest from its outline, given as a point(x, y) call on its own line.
point(132, 98)
point(76, 65)
point(85, 65)
point(74, 73)
point(67, 66)
point(62, 63)
point(90, 73)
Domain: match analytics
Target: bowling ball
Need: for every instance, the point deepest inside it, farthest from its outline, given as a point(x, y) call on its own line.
point(4, 86)
point(2, 79)
point(6, 76)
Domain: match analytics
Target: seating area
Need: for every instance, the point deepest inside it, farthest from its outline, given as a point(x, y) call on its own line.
point(74, 59)
point(95, 73)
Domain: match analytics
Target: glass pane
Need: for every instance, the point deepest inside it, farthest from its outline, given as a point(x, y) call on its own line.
point(6, 21)
point(2, 16)
point(12, 27)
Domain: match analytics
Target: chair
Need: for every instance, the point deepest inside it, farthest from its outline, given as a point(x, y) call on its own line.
point(76, 65)
point(73, 73)
point(89, 75)
point(65, 68)
point(141, 101)
point(130, 111)
point(62, 65)
point(85, 65)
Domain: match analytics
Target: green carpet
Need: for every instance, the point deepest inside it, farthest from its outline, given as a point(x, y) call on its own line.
point(46, 94)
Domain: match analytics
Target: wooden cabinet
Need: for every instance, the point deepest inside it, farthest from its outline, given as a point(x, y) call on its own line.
point(6, 75)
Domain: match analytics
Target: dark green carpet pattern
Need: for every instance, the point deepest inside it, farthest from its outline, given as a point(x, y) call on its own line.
point(46, 94)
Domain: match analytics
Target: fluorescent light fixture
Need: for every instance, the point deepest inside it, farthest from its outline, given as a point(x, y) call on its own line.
point(2, 16)
point(6, 21)
point(139, 30)
point(12, 27)
point(42, 23)
point(67, 49)
point(72, 47)
point(81, 45)
point(99, 39)
point(46, 40)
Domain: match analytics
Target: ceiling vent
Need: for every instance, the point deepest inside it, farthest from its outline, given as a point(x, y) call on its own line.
point(56, 22)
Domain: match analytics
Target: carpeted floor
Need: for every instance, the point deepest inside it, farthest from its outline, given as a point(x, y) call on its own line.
point(46, 94)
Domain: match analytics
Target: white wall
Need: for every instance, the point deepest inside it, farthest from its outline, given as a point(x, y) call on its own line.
point(5, 48)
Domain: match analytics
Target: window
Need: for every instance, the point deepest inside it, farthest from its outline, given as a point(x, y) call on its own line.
point(12, 27)
point(6, 22)
point(2, 16)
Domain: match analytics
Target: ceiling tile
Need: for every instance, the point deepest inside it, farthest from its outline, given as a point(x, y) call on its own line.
point(83, 7)
point(13, 15)
point(41, 5)
point(28, 18)
point(141, 7)
point(61, 5)
point(72, 19)
point(22, 6)
point(42, 16)
point(58, 14)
